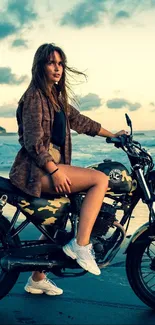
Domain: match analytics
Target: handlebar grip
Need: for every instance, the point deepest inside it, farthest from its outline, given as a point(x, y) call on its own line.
point(113, 140)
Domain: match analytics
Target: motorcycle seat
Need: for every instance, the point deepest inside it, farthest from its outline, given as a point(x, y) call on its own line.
point(46, 209)
point(6, 185)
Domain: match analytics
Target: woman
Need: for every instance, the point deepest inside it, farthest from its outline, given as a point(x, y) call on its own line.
point(44, 117)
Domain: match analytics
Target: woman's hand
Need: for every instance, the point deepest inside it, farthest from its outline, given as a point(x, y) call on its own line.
point(107, 134)
point(120, 133)
point(61, 182)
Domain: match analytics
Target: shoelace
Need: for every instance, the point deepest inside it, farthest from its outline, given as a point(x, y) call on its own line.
point(48, 281)
point(91, 251)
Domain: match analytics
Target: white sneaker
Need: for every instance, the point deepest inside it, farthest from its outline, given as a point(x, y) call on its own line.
point(84, 256)
point(43, 286)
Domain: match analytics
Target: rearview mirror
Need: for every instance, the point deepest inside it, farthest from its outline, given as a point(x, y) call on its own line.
point(129, 123)
point(128, 120)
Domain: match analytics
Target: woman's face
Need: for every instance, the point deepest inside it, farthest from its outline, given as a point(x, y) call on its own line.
point(54, 68)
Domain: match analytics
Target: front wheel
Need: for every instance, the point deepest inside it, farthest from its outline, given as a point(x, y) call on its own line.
point(140, 268)
point(7, 279)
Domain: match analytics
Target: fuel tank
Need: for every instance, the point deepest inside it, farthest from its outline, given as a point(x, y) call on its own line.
point(120, 181)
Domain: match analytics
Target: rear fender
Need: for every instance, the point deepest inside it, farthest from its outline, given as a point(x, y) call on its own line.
point(136, 234)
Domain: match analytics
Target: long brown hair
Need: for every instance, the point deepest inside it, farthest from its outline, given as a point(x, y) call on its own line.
point(41, 57)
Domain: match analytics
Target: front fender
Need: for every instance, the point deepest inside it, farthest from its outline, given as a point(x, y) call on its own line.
point(135, 235)
point(145, 226)
point(151, 180)
point(151, 175)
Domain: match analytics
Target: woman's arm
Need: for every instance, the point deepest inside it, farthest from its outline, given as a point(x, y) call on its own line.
point(81, 123)
point(107, 134)
point(33, 131)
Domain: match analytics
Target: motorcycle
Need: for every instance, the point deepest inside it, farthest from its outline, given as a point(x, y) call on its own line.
point(57, 218)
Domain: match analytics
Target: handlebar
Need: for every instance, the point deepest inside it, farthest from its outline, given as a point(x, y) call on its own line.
point(126, 141)
point(133, 148)
point(112, 140)
point(122, 139)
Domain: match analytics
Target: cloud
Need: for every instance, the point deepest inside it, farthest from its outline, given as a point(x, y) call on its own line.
point(8, 110)
point(89, 102)
point(19, 43)
point(92, 12)
point(22, 10)
point(84, 14)
point(122, 15)
point(15, 16)
point(9, 78)
point(152, 104)
point(7, 29)
point(118, 103)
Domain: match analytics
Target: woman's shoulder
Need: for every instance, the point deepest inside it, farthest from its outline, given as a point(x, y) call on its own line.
point(31, 92)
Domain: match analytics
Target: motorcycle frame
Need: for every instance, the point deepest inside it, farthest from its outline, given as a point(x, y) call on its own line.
point(142, 192)
point(37, 247)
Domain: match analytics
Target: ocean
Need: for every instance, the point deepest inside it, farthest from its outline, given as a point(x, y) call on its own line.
point(86, 150)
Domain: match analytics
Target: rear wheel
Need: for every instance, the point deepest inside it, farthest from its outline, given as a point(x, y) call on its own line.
point(140, 268)
point(7, 279)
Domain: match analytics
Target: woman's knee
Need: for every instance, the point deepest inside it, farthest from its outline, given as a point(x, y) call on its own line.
point(102, 179)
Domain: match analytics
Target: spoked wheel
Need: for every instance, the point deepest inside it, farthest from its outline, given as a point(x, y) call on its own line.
point(7, 279)
point(140, 268)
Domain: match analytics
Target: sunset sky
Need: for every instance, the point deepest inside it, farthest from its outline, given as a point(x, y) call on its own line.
point(112, 41)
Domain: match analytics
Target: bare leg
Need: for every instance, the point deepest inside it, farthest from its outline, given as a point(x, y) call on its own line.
point(96, 183)
point(36, 275)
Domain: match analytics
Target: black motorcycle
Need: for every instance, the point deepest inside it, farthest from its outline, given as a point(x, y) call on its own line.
point(57, 218)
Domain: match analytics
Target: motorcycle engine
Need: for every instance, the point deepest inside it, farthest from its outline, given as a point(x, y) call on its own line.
point(104, 220)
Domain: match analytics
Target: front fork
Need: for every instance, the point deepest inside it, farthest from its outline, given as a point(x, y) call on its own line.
point(148, 198)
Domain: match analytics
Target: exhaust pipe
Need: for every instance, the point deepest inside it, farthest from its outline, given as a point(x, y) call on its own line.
point(10, 263)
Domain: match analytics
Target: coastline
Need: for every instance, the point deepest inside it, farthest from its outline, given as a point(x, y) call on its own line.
point(8, 134)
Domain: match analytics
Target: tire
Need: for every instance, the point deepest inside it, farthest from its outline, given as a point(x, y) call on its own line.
point(7, 279)
point(141, 277)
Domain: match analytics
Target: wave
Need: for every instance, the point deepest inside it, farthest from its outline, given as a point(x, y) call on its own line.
point(86, 150)
point(81, 155)
point(148, 143)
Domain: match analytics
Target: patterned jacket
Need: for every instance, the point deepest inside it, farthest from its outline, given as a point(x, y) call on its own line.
point(34, 130)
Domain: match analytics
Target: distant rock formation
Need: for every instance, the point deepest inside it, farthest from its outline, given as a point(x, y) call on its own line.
point(2, 130)
point(139, 133)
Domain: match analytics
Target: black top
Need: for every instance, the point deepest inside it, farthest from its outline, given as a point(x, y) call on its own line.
point(59, 128)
